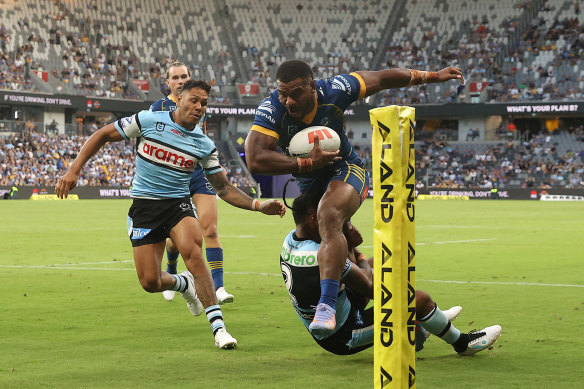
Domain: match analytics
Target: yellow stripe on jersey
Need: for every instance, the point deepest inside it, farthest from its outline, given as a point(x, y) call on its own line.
point(265, 131)
point(171, 97)
point(361, 83)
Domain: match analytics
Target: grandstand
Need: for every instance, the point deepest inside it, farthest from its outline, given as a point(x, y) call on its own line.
point(511, 52)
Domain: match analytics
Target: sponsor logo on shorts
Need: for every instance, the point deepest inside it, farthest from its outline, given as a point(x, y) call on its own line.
point(167, 156)
point(185, 206)
point(358, 318)
point(139, 233)
point(365, 192)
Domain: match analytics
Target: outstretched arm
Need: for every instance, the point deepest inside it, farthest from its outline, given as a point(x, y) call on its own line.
point(262, 158)
point(239, 199)
point(95, 142)
point(376, 81)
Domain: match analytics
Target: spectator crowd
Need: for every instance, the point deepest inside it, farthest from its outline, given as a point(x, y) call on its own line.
point(536, 163)
point(39, 159)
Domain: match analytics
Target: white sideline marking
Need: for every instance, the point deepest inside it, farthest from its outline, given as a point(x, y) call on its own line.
point(501, 283)
point(89, 263)
point(455, 241)
point(66, 267)
point(446, 242)
point(59, 267)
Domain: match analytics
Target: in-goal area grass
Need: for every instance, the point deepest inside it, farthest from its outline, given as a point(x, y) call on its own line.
point(73, 314)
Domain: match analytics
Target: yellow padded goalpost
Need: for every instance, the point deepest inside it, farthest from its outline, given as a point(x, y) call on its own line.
point(394, 247)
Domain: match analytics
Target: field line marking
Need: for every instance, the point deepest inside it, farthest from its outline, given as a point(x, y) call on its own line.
point(279, 275)
point(89, 263)
point(446, 242)
point(501, 283)
point(59, 267)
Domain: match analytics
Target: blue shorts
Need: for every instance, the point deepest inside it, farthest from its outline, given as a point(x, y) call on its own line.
point(199, 183)
point(352, 172)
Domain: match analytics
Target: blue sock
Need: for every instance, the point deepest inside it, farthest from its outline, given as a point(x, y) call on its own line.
point(329, 289)
point(172, 259)
point(215, 260)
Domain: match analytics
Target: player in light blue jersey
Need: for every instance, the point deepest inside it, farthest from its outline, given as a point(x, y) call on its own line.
point(354, 330)
point(300, 102)
point(202, 193)
point(168, 149)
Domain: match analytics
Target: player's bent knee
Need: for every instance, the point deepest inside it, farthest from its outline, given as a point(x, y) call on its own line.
point(150, 284)
point(211, 234)
point(424, 303)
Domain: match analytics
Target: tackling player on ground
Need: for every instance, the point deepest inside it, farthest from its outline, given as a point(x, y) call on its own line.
point(354, 330)
point(300, 102)
point(202, 193)
point(169, 147)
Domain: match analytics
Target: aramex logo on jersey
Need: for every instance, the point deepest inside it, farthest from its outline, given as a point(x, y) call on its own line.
point(167, 156)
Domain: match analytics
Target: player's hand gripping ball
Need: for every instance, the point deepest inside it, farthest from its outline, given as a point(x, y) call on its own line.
point(302, 143)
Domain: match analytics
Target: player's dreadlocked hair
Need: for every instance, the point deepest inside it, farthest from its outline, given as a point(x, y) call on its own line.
point(293, 69)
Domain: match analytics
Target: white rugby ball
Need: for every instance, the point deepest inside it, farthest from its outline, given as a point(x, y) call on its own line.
point(303, 141)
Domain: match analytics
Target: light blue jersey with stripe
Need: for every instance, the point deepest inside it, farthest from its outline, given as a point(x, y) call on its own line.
point(299, 264)
point(166, 155)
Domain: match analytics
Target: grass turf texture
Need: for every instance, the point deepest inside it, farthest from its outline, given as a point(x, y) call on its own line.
point(77, 324)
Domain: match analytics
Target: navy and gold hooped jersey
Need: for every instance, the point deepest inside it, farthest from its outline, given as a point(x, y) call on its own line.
point(334, 96)
point(167, 154)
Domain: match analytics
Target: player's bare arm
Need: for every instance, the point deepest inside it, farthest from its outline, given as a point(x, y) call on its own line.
point(95, 142)
point(376, 81)
point(360, 276)
point(262, 157)
point(239, 199)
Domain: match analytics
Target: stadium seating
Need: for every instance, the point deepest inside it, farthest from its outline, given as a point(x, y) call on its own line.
point(333, 37)
point(98, 47)
point(550, 160)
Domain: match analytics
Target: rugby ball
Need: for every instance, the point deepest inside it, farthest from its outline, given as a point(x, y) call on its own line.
point(303, 141)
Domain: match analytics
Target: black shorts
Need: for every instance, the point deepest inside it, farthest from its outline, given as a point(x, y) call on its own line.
point(355, 335)
point(150, 221)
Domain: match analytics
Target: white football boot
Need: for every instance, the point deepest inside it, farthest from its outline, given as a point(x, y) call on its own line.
point(190, 295)
point(225, 341)
point(223, 297)
point(481, 340)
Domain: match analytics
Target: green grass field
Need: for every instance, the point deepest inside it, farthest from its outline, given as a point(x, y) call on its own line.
point(73, 314)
